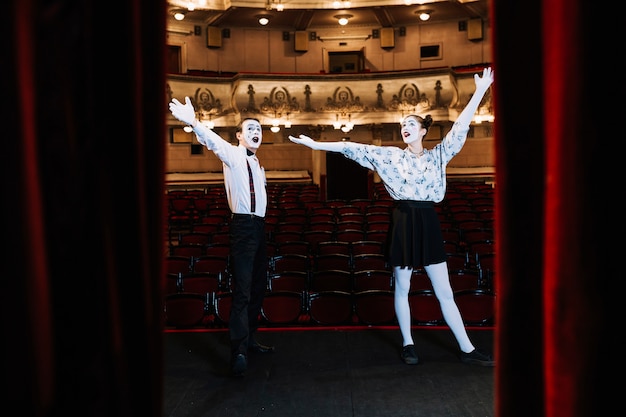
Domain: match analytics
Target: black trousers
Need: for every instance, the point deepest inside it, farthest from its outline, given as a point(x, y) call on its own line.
point(248, 252)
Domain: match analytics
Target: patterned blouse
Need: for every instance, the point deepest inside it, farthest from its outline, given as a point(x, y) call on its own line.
point(407, 176)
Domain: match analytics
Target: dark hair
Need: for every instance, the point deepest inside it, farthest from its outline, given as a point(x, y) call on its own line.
point(240, 124)
point(425, 121)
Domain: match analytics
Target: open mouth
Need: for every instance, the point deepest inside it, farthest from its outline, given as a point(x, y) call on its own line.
point(255, 139)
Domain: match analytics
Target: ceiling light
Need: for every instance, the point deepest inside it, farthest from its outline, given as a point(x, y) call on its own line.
point(342, 4)
point(263, 19)
point(179, 15)
point(343, 18)
point(343, 123)
point(275, 124)
point(424, 15)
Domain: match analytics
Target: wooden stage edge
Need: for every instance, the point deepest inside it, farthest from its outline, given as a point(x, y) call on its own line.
point(204, 179)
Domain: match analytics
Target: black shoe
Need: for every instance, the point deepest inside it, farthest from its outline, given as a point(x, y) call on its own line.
point(408, 355)
point(476, 357)
point(239, 364)
point(259, 348)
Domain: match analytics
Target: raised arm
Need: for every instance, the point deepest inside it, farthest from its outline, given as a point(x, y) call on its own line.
point(187, 114)
point(318, 146)
point(482, 85)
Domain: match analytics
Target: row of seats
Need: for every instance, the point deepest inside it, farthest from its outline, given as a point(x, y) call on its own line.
point(327, 297)
point(474, 194)
point(302, 223)
point(327, 269)
point(331, 256)
point(323, 280)
point(325, 255)
point(291, 308)
point(291, 240)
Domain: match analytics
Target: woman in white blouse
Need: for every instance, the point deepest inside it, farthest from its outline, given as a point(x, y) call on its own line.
point(415, 178)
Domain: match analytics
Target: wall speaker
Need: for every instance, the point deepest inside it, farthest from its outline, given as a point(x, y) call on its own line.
point(213, 37)
point(475, 29)
point(387, 38)
point(301, 41)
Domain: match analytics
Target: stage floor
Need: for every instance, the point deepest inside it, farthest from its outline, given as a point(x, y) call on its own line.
point(327, 373)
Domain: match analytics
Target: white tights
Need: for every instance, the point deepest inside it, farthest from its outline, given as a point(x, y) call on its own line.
point(438, 274)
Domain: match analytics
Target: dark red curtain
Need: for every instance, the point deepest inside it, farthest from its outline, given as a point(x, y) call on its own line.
point(556, 265)
point(82, 207)
point(83, 126)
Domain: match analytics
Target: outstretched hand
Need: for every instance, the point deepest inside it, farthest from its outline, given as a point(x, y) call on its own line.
point(486, 80)
point(183, 112)
point(302, 140)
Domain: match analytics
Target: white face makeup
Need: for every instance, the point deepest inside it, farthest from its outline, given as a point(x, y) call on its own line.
point(410, 130)
point(251, 134)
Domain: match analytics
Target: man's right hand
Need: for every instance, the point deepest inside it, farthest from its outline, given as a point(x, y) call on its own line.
point(183, 112)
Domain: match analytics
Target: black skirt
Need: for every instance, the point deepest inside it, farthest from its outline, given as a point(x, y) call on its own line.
point(415, 238)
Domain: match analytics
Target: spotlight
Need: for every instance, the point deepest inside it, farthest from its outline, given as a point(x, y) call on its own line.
point(424, 15)
point(342, 19)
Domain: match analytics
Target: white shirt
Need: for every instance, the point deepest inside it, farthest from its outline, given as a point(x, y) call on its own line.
point(236, 179)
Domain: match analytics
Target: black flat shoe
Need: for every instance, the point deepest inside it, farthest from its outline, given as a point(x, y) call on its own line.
point(477, 357)
point(259, 348)
point(239, 364)
point(408, 355)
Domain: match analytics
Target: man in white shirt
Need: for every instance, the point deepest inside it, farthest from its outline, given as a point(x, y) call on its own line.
point(244, 179)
